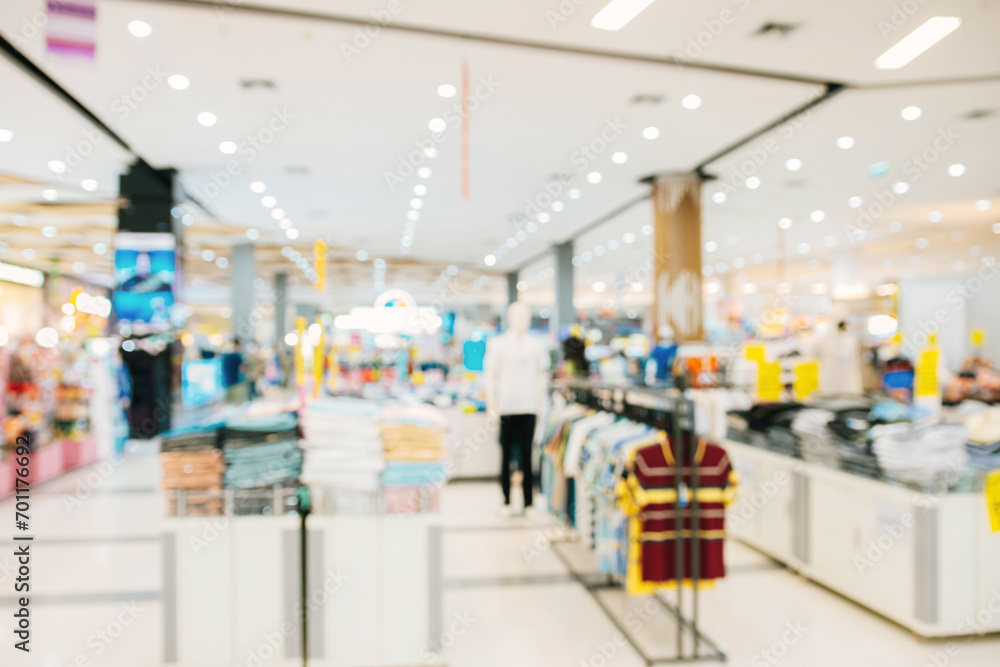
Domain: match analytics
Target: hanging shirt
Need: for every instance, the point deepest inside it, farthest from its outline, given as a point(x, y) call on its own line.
point(648, 497)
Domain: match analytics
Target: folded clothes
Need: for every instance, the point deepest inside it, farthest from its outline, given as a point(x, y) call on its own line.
point(984, 426)
point(929, 457)
point(263, 464)
point(192, 470)
point(402, 473)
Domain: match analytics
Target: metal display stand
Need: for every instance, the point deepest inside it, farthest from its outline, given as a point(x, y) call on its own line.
point(669, 411)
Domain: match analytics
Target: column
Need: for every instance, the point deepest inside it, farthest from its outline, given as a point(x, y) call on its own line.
point(280, 307)
point(677, 256)
point(564, 313)
point(241, 278)
point(511, 287)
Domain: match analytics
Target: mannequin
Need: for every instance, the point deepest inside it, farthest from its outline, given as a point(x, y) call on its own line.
point(515, 374)
point(660, 366)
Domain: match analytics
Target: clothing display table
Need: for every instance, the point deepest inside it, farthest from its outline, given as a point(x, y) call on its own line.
point(926, 561)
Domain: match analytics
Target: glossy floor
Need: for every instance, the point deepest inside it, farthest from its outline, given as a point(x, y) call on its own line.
point(97, 592)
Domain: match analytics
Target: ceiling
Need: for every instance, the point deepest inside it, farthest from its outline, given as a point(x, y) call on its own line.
point(345, 111)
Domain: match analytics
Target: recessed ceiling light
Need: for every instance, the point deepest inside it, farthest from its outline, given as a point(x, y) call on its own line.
point(900, 187)
point(817, 216)
point(424, 172)
point(285, 223)
point(88, 184)
point(721, 267)
point(437, 125)
point(413, 215)
point(100, 248)
point(277, 213)
point(855, 202)
point(587, 256)
point(598, 287)
point(647, 230)
point(228, 147)
point(617, 14)
point(845, 143)
point(753, 183)
point(574, 193)
point(544, 217)
point(221, 262)
point(253, 234)
point(599, 251)
point(447, 90)
point(416, 202)
point(613, 244)
point(512, 243)
point(651, 133)
point(935, 216)
point(983, 205)
point(719, 197)
point(420, 189)
point(707, 270)
point(57, 166)
point(918, 41)
point(6, 135)
point(895, 226)
point(739, 263)
point(521, 235)
point(20, 220)
point(257, 187)
point(628, 237)
point(49, 232)
point(558, 206)
point(28, 253)
point(996, 228)
point(292, 233)
point(619, 157)
point(691, 102)
point(594, 177)
point(830, 241)
point(431, 152)
point(268, 201)
point(140, 28)
point(711, 246)
point(489, 260)
point(957, 236)
point(785, 223)
point(178, 82)
point(207, 255)
point(532, 227)
point(793, 164)
point(79, 267)
point(956, 170)
point(922, 243)
point(911, 113)
point(48, 194)
point(207, 118)
point(361, 255)
point(803, 248)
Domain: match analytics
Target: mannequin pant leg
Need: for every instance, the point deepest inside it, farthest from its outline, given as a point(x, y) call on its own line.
point(517, 432)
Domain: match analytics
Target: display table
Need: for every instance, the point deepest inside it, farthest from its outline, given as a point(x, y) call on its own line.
point(927, 562)
point(473, 445)
point(382, 574)
point(232, 591)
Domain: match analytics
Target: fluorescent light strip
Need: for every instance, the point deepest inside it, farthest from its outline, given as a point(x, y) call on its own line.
point(21, 275)
point(618, 13)
point(918, 41)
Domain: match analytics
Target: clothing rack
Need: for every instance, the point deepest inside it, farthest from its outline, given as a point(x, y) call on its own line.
point(669, 411)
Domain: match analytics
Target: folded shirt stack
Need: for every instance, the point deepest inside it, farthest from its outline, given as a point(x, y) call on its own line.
point(343, 445)
point(199, 474)
point(413, 433)
point(929, 456)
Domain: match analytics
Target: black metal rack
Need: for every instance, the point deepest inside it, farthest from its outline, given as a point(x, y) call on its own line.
point(670, 411)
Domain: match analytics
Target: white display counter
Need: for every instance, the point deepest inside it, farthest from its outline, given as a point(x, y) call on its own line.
point(927, 562)
point(232, 591)
point(381, 575)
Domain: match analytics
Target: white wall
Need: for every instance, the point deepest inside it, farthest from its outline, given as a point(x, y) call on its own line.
point(928, 304)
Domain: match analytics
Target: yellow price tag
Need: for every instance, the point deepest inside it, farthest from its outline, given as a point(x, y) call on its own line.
point(418, 378)
point(755, 353)
point(769, 381)
point(993, 499)
point(978, 337)
point(927, 367)
point(806, 379)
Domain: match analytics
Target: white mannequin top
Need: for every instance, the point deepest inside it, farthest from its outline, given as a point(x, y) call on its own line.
point(515, 368)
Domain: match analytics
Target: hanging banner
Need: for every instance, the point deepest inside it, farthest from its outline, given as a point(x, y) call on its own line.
point(319, 359)
point(300, 362)
point(71, 29)
point(319, 259)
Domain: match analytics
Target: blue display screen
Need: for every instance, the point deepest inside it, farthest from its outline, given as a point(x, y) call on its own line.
point(201, 382)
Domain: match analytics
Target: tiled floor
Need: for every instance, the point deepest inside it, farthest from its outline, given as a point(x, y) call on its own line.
point(97, 596)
